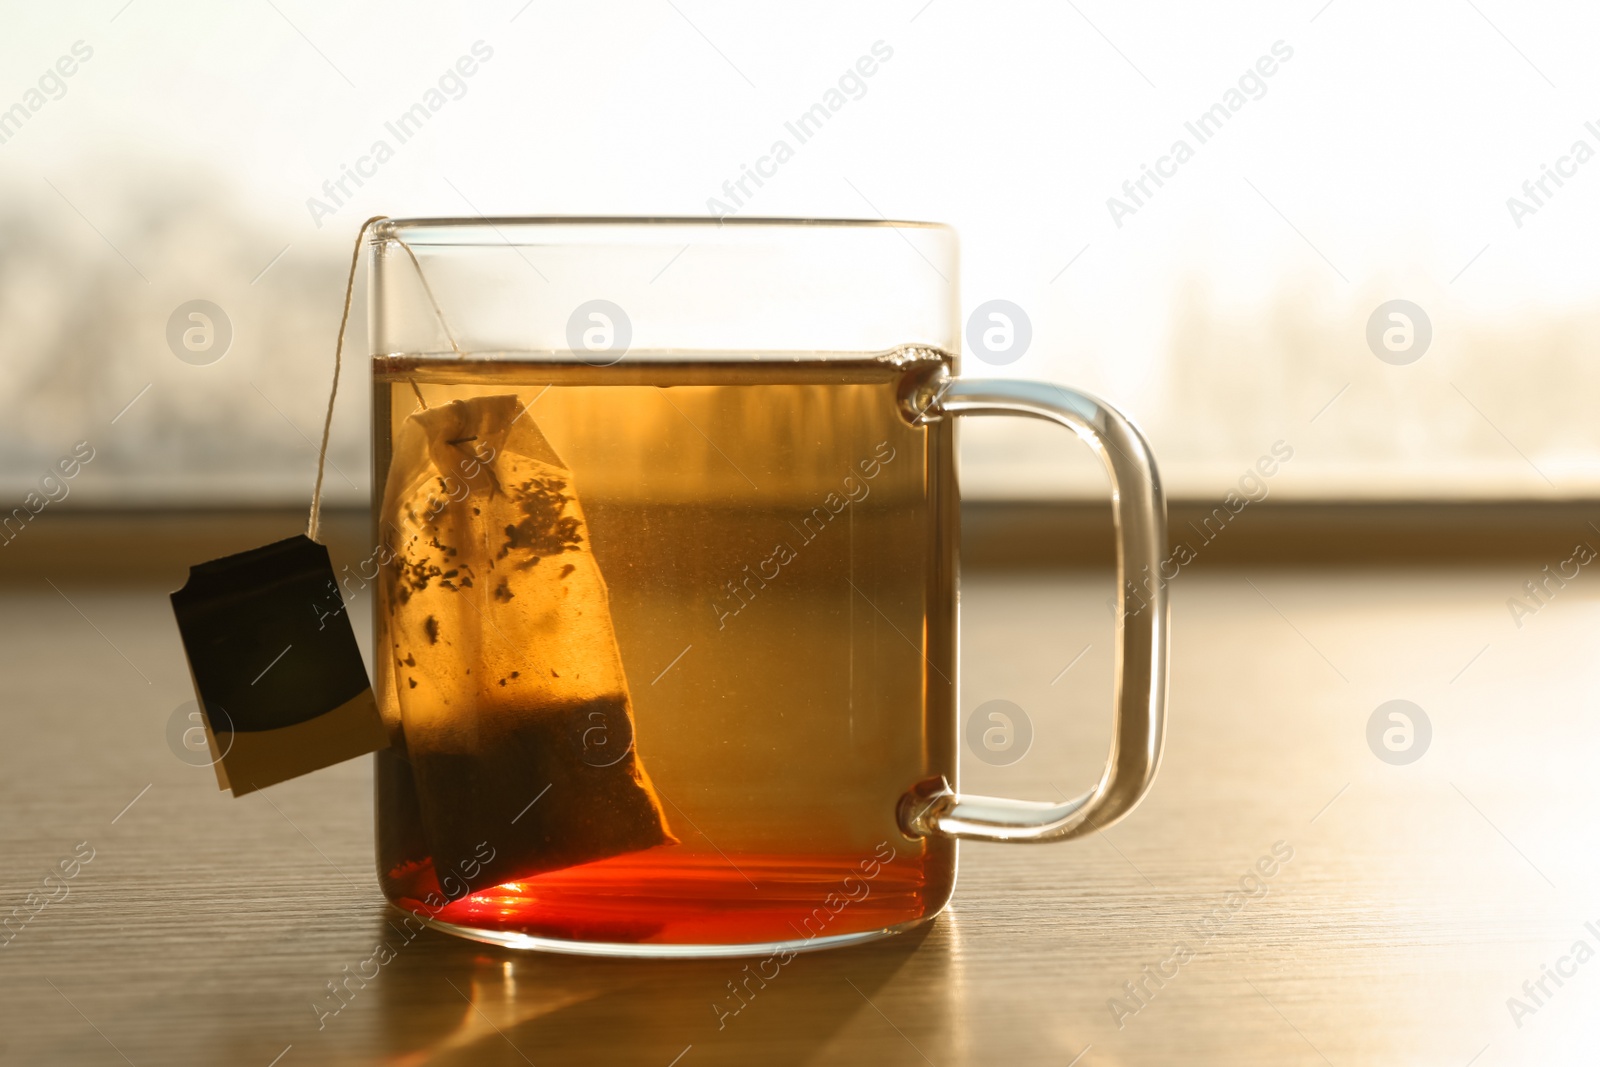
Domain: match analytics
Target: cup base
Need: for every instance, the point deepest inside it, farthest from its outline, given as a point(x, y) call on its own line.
point(657, 950)
point(651, 902)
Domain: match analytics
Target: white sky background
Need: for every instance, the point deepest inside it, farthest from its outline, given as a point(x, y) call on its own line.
point(1222, 316)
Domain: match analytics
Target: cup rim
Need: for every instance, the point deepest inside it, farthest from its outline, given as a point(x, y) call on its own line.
point(388, 227)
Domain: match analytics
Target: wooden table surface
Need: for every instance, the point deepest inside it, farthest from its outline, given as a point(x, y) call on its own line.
point(1418, 898)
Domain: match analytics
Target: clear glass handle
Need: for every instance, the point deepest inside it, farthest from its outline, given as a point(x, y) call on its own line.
point(933, 808)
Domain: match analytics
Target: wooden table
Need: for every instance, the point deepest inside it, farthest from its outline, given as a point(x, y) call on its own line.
point(1418, 898)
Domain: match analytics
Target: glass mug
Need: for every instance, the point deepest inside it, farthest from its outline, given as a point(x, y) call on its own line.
point(666, 635)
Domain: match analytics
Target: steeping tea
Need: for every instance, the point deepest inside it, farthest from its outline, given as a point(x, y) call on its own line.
point(649, 640)
point(666, 636)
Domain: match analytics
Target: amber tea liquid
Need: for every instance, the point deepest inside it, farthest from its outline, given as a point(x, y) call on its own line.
point(778, 542)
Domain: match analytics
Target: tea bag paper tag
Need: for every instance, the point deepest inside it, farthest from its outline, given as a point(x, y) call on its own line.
point(275, 665)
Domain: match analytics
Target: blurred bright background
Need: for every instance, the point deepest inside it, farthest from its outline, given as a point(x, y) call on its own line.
point(1227, 312)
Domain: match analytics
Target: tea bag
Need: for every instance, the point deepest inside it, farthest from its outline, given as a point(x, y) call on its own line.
point(511, 691)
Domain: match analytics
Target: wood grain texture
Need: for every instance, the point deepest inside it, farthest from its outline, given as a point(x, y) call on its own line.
point(1418, 899)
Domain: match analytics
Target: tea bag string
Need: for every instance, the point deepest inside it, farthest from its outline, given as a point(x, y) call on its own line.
point(314, 522)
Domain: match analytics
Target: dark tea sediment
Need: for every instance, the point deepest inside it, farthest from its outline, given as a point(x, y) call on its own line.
point(703, 642)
